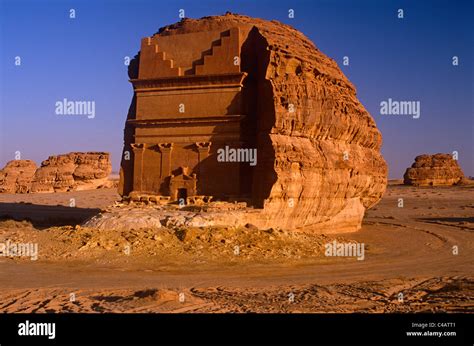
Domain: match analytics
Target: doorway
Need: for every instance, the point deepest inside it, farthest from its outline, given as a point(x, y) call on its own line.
point(182, 195)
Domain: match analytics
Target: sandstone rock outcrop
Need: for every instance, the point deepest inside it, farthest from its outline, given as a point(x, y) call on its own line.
point(67, 172)
point(434, 170)
point(16, 176)
point(73, 171)
point(319, 163)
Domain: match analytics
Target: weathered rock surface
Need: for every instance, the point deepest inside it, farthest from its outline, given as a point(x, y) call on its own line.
point(434, 170)
point(16, 176)
point(67, 172)
point(73, 171)
point(318, 148)
point(130, 217)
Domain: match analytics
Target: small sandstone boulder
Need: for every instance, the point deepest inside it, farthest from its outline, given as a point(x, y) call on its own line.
point(434, 170)
point(16, 176)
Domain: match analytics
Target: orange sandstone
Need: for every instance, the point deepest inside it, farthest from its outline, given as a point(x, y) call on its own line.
point(238, 83)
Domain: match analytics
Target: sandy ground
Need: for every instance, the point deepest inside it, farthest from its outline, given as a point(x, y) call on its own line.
point(418, 257)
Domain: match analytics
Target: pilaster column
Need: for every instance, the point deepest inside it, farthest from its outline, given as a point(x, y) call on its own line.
point(165, 149)
point(138, 150)
point(203, 150)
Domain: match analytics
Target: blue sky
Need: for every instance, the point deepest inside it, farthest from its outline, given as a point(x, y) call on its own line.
point(406, 59)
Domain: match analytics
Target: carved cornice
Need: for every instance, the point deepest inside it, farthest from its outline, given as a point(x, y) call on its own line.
point(227, 80)
point(178, 121)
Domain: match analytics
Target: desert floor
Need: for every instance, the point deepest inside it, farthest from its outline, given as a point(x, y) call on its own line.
point(424, 250)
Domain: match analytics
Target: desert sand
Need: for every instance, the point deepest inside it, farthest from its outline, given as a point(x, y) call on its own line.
point(408, 250)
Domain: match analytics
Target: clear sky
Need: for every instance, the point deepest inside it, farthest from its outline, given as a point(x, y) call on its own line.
point(407, 59)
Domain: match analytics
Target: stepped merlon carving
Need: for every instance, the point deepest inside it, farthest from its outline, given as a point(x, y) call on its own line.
point(222, 57)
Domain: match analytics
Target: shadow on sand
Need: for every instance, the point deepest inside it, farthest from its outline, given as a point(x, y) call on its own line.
point(44, 216)
point(448, 219)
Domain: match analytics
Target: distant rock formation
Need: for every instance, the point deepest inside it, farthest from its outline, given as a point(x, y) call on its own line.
point(16, 176)
point(434, 170)
point(319, 162)
point(67, 172)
